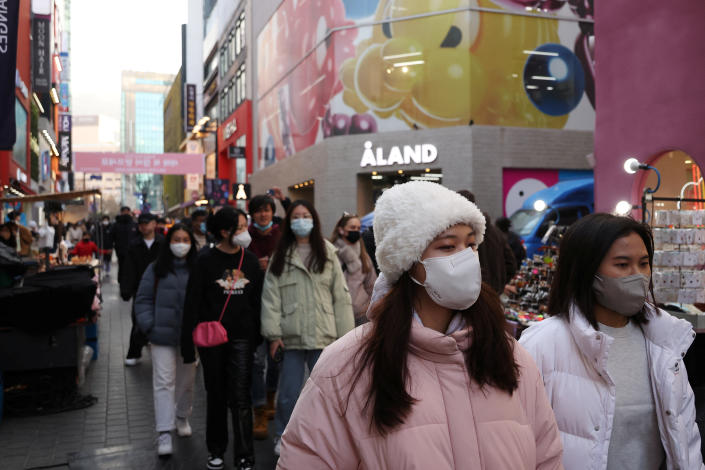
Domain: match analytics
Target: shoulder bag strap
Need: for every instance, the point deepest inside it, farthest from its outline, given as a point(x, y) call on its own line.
point(242, 256)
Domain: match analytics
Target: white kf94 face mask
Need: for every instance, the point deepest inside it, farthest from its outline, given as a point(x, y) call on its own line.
point(453, 281)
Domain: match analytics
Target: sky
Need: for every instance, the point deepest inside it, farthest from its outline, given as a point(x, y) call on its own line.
point(108, 37)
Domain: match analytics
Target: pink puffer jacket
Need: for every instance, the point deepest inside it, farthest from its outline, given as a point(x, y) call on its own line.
point(454, 424)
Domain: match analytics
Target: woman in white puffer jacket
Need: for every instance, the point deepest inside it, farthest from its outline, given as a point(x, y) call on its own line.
point(612, 363)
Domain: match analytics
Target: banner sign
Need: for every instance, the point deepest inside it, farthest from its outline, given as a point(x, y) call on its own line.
point(64, 97)
point(64, 151)
point(41, 35)
point(8, 62)
point(64, 123)
point(236, 152)
point(155, 163)
point(190, 120)
point(65, 67)
point(242, 191)
point(217, 191)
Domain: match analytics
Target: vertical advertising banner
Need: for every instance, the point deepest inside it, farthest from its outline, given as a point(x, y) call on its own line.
point(41, 35)
point(8, 64)
point(65, 151)
point(190, 120)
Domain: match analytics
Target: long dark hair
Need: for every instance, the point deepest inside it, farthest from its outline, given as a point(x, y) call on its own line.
point(582, 250)
point(287, 242)
point(165, 261)
point(489, 360)
point(364, 257)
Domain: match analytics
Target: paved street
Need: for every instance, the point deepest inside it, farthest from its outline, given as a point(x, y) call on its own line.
point(118, 431)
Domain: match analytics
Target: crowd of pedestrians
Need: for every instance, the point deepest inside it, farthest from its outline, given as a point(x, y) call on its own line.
point(403, 334)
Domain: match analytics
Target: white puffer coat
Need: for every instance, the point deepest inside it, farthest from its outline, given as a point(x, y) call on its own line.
point(572, 357)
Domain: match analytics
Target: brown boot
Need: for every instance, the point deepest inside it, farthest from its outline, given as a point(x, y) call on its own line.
point(259, 430)
point(271, 408)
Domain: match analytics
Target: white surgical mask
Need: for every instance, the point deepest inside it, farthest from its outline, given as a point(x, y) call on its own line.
point(180, 249)
point(453, 281)
point(242, 239)
point(302, 227)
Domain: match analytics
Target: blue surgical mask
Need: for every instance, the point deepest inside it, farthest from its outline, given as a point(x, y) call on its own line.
point(302, 227)
point(203, 227)
point(262, 228)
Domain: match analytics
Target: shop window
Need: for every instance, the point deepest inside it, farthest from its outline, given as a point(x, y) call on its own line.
point(680, 177)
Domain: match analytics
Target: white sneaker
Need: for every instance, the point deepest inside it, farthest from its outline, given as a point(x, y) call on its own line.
point(215, 463)
point(277, 445)
point(164, 446)
point(183, 428)
point(131, 362)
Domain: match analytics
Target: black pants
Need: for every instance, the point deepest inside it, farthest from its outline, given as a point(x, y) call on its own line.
point(227, 373)
point(137, 339)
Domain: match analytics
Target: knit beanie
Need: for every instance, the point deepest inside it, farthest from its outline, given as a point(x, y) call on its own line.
point(410, 215)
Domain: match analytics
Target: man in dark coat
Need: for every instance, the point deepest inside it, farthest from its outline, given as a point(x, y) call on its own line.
point(102, 235)
point(141, 253)
point(124, 233)
point(496, 257)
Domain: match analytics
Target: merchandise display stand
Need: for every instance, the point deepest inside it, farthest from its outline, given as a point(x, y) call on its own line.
point(679, 259)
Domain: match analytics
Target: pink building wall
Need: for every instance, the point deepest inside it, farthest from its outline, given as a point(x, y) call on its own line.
point(650, 79)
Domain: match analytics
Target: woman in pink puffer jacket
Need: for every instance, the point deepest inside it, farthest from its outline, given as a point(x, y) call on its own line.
point(433, 381)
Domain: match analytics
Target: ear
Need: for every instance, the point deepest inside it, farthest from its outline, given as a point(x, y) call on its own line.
point(341, 231)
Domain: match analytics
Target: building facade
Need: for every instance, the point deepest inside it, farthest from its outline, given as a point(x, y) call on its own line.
point(359, 96)
point(142, 131)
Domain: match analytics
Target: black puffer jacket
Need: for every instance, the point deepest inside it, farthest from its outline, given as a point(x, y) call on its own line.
point(137, 259)
point(124, 233)
point(159, 311)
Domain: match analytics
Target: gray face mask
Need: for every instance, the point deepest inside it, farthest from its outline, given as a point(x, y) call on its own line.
point(624, 295)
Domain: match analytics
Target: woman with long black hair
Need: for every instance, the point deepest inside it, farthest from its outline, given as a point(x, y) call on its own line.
point(612, 362)
point(226, 286)
point(433, 380)
point(159, 308)
point(305, 304)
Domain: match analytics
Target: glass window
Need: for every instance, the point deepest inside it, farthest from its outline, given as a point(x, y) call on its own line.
point(242, 30)
point(232, 48)
point(19, 150)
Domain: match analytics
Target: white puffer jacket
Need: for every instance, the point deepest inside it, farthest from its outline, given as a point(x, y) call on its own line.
point(572, 357)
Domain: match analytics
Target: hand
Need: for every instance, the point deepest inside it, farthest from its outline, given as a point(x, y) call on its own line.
point(509, 289)
point(278, 193)
point(263, 263)
point(274, 345)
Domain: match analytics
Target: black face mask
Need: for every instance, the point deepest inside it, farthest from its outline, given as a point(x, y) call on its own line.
point(353, 236)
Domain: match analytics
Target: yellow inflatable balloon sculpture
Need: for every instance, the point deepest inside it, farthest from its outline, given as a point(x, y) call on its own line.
point(450, 69)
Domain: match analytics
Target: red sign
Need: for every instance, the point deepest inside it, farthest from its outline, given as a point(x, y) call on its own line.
point(156, 163)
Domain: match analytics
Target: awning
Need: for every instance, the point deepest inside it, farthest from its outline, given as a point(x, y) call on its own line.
point(50, 196)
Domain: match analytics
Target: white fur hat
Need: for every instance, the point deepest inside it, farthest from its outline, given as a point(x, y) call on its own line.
point(410, 215)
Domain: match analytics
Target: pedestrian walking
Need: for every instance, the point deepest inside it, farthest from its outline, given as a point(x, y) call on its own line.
point(103, 234)
point(124, 234)
point(434, 380)
point(226, 286)
point(198, 226)
point(504, 225)
point(305, 304)
point(142, 252)
point(74, 233)
point(265, 236)
point(359, 272)
point(85, 246)
point(612, 362)
point(159, 309)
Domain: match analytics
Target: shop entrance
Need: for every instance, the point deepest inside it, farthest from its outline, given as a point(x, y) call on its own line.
point(370, 186)
point(303, 190)
point(680, 178)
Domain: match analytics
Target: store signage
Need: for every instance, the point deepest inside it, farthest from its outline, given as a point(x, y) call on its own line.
point(190, 107)
point(41, 35)
point(64, 97)
point(398, 155)
point(236, 152)
point(229, 129)
point(19, 83)
point(65, 75)
point(65, 151)
point(242, 191)
point(64, 123)
point(9, 12)
point(130, 163)
point(21, 176)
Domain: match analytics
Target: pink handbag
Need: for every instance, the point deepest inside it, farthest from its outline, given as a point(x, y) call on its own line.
point(208, 334)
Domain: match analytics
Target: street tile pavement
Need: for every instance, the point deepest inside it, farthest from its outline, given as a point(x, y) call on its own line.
point(118, 431)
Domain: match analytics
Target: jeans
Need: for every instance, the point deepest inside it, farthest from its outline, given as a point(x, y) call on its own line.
point(172, 381)
point(260, 384)
point(107, 258)
point(291, 380)
point(227, 373)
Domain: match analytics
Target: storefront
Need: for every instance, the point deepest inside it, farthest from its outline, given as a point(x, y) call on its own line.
point(235, 151)
point(348, 173)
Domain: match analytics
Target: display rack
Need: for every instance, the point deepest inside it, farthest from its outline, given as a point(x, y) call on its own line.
point(679, 257)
